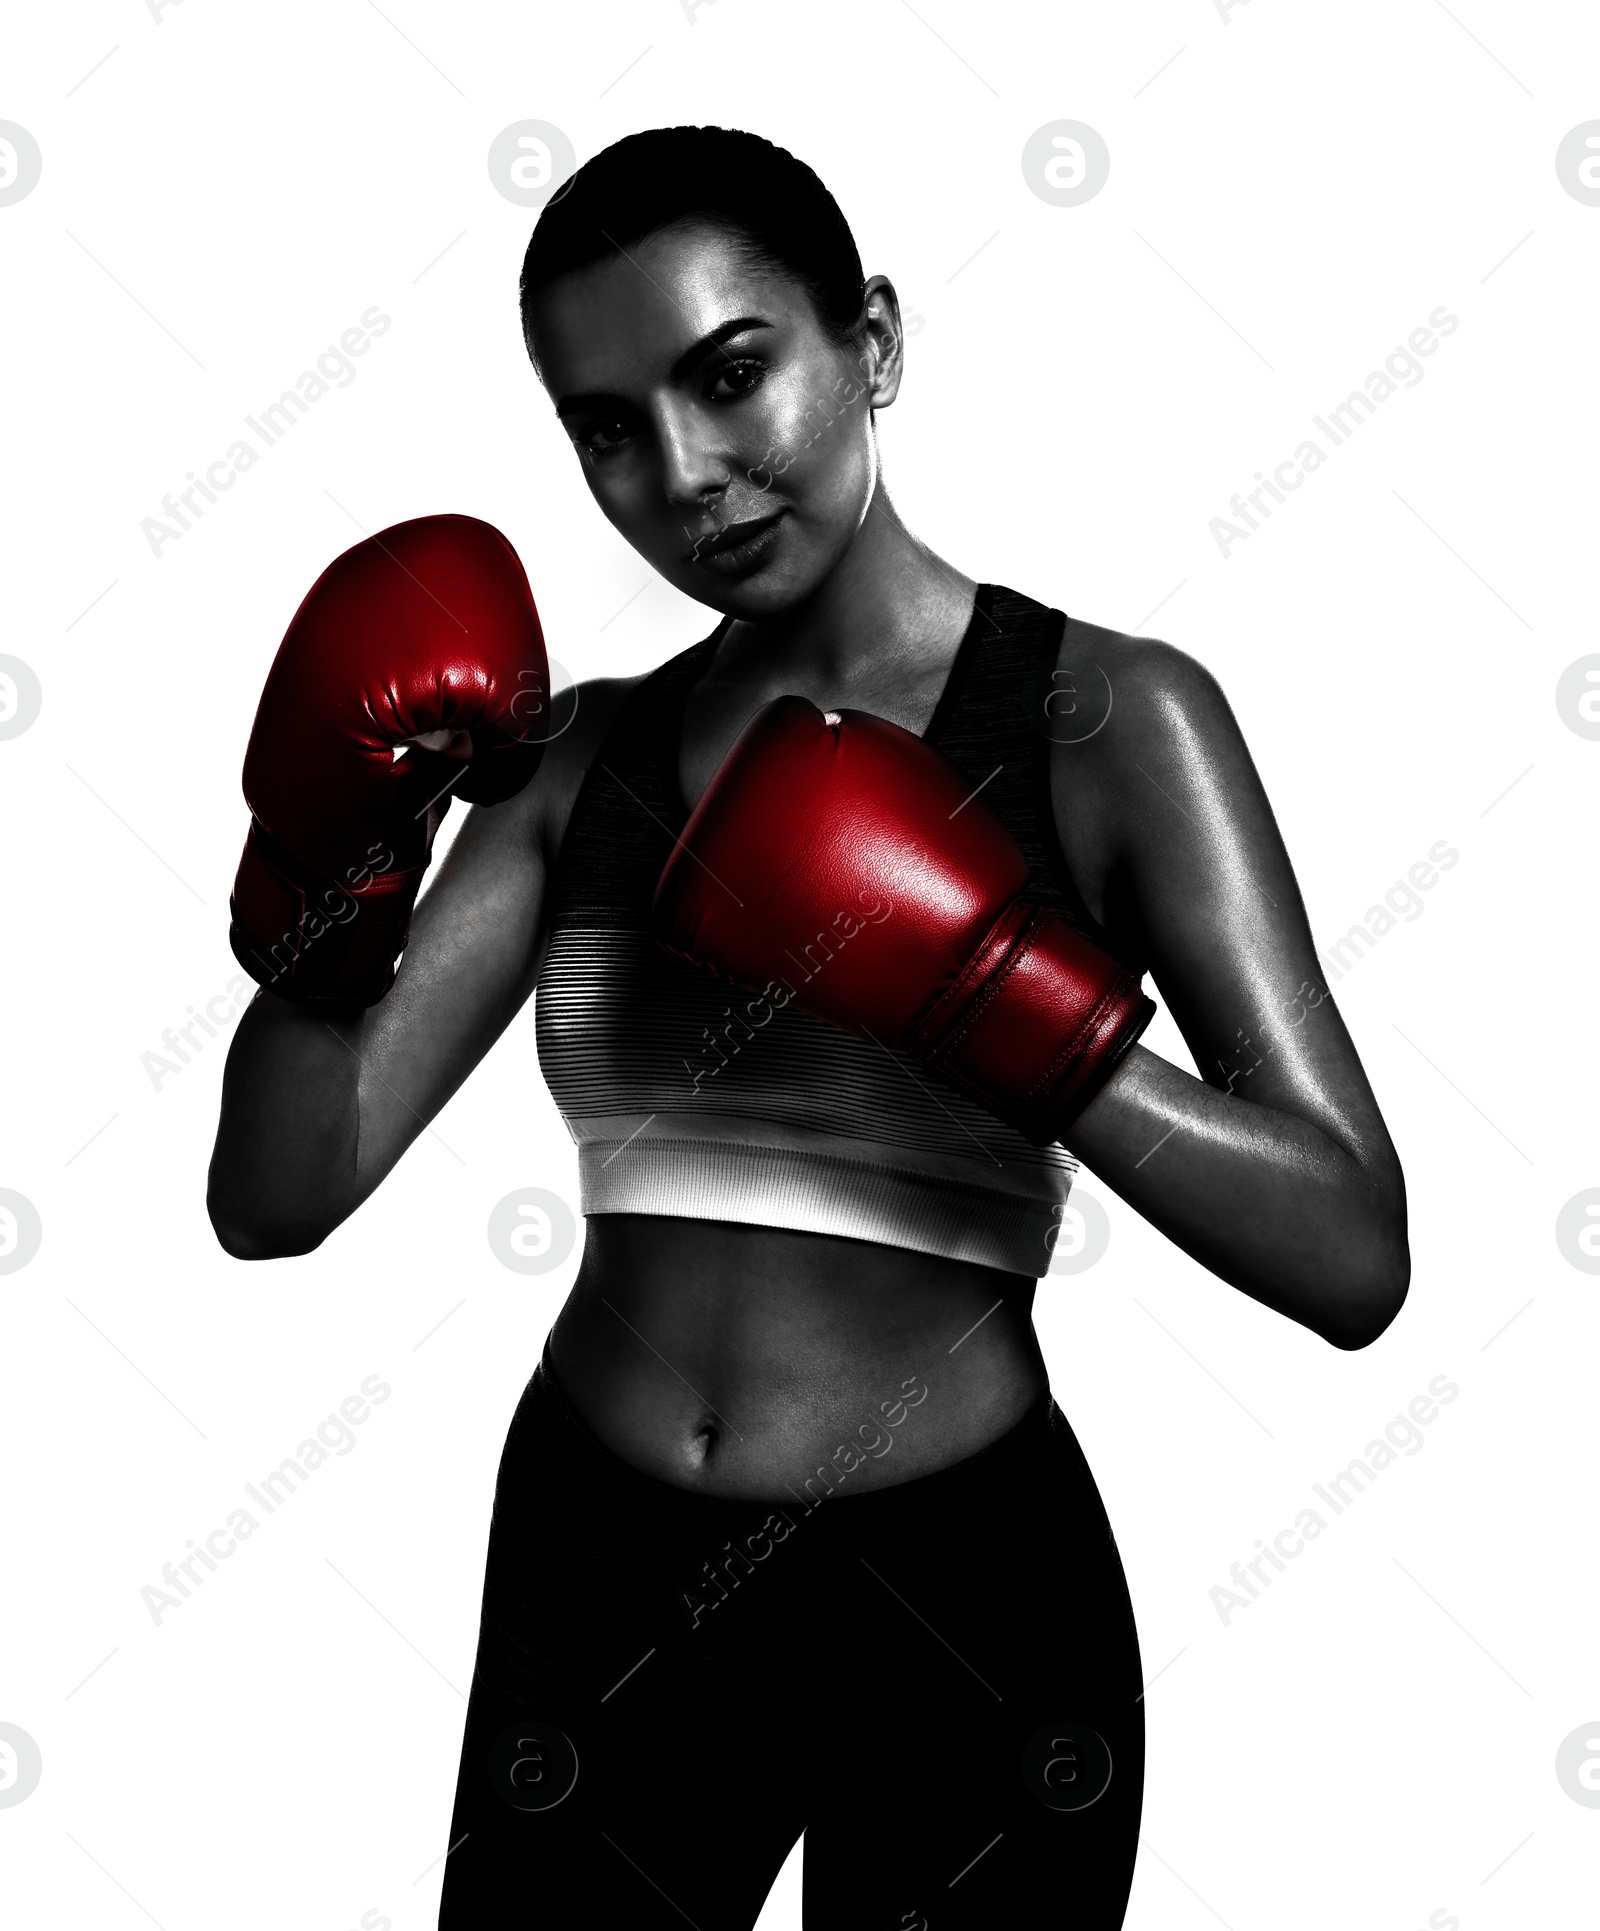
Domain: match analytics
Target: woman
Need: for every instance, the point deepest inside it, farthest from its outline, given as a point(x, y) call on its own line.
point(809, 1266)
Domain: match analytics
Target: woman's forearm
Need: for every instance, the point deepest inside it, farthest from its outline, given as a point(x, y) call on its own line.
point(1268, 1202)
point(284, 1169)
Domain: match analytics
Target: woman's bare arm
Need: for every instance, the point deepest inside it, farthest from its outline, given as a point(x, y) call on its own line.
point(1273, 1169)
point(318, 1104)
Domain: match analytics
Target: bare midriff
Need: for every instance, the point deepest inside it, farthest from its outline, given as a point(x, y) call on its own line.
point(735, 1361)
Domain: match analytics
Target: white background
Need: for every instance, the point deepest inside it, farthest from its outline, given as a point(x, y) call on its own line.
point(1374, 1739)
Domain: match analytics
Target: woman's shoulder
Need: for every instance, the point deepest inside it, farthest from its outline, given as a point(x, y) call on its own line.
point(1127, 694)
point(1148, 767)
point(582, 718)
point(1094, 667)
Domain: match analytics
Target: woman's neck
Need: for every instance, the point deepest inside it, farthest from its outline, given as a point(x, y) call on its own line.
point(890, 609)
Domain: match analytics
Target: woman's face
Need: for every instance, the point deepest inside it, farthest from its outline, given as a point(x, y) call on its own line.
point(722, 430)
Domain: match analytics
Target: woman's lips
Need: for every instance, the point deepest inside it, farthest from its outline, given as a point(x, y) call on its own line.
point(738, 548)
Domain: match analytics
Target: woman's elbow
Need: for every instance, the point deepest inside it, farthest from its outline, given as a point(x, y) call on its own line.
point(1366, 1307)
point(247, 1238)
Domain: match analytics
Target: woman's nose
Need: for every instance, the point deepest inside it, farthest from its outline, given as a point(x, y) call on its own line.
point(692, 466)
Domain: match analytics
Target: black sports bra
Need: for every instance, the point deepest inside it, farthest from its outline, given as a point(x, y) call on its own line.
point(687, 1097)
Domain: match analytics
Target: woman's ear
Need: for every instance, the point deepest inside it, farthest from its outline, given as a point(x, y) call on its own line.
point(881, 342)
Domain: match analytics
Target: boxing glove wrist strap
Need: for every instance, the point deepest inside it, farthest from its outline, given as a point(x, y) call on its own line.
point(1035, 1023)
point(312, 939)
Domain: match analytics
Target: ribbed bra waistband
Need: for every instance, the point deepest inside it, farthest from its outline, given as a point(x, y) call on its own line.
point(824, 1185)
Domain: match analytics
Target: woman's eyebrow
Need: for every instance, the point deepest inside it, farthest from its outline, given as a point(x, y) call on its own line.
point(723, 332)
point(691, 356)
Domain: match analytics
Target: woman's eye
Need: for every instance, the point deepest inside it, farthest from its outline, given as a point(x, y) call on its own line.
point(736, 380)
point(602, 437)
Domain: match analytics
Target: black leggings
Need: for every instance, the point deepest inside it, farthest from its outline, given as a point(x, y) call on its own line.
point(937, 1681)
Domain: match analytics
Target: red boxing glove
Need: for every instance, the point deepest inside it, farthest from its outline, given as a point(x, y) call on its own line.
point(429, 626)
point(838, 854)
